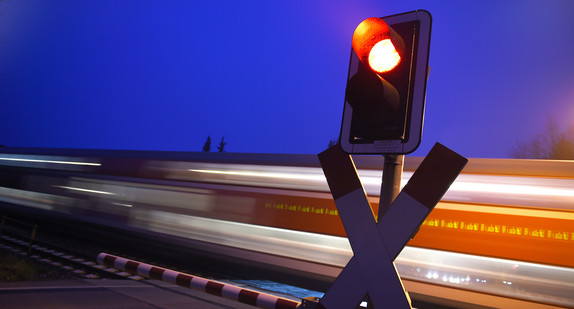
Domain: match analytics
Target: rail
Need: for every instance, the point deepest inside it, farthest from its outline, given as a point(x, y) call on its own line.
point(33, 232)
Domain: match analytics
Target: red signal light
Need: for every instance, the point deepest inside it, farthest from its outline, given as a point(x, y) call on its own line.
point(377, 45)
point(384, 57)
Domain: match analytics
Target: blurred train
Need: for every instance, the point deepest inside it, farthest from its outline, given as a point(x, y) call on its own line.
point(503, 235)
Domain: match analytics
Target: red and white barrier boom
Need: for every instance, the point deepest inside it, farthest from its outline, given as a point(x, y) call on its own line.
point(212, 287)
point(376, 245)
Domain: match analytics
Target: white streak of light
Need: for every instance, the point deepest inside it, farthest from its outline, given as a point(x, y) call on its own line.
point(314, 177)
point(511, 189)
point(86, 190)
point(50, 161)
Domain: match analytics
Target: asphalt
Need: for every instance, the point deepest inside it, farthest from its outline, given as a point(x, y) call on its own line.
point(84, 293)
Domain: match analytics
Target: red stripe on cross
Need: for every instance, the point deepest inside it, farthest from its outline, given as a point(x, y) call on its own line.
point(340, 171)
point(434, 175)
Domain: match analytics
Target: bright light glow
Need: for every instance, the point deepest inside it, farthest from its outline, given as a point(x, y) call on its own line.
point(86, 190)
point(49, 161)
point(512, 189)
point(491, 189)
point(383, 56)
point(123, 204)
point(314, 177)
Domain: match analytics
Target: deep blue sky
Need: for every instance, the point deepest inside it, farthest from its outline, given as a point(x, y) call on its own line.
point(269, 75)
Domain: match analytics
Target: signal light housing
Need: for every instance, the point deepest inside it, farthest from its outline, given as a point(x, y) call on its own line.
point(384, 99)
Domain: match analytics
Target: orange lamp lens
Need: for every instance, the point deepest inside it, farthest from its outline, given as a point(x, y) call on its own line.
point(374, 44)
point(383, 56)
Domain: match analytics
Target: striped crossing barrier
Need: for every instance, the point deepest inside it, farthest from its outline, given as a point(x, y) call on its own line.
point(216, 288)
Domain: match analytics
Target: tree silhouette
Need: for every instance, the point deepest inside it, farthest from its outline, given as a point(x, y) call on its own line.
point(332, 143)
point(207, 145)
point(552, 144)
point(221, 146)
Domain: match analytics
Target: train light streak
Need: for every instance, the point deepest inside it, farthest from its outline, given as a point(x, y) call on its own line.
point(123, 205)
point(86, 190)
point(34, 199)
point(512, 189)
point(499, 186)
point(50, 161)
point(535, 213)
point(299, 176)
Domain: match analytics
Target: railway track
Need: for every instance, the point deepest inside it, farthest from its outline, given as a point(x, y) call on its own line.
point(64, 260)
point(68, 260)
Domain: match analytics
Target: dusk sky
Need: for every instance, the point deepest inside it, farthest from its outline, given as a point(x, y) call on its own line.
point(270, 76)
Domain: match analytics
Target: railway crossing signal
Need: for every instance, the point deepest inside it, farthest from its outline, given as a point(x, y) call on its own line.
point(376, 244)
point(384, 99)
